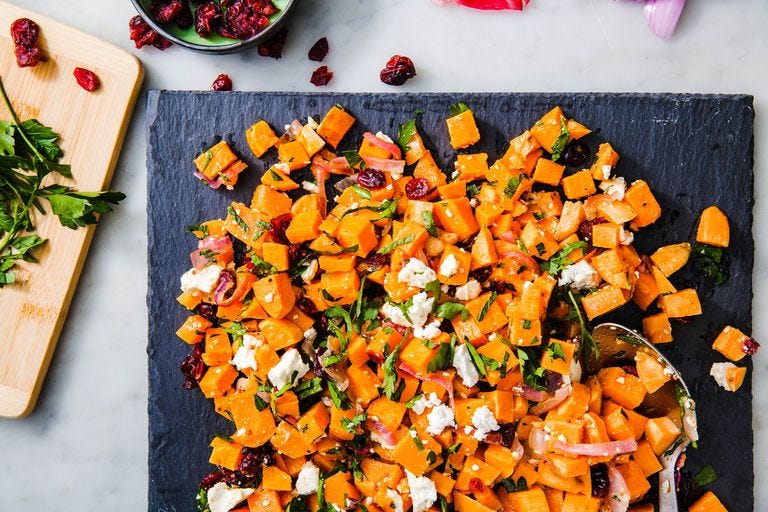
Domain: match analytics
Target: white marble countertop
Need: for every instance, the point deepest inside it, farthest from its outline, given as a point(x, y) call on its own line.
point(85, 446)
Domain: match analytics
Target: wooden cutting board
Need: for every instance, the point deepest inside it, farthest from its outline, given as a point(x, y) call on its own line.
point(92, 127)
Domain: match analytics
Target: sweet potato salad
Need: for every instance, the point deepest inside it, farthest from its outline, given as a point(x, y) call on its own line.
point(418, 341)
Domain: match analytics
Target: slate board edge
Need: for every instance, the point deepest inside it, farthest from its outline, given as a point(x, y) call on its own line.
point(154, 97)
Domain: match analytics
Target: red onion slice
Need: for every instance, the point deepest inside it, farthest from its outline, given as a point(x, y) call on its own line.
point(394, 167)
point(214, 184)
point(608, 449)
point(560, 396)
point(198, 260)
point(390, 147)
point(537, 440)
point(618, 490)
point(226, 282)
point(663, 15)
point(345, 183)
point(529, 393)
point(437, 378)
point(522, 259)
point(383, 431)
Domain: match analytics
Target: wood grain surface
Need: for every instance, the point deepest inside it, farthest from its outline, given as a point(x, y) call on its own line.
point(92, 127)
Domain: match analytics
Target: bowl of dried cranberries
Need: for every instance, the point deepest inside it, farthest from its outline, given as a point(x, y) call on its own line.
point(215, 26)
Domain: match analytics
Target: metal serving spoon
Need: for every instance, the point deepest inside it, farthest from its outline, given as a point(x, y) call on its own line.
point(618, 343)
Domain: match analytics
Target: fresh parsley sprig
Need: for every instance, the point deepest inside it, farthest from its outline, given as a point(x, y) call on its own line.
point(29, 153)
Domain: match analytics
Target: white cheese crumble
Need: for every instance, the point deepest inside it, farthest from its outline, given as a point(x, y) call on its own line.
point(203, 280)
point(308, 478)
point(470, 290)
point(418, 312)
point(450, 266)
point(484, 421)
point(310, 334)
point(223, 498)
point(268, 298)
point(428, 332)
point(440, 418)
point(383, 136)
point(615, 188)
point(720, 372)
point(465, 368)
point(289, 369)
point(449, 214)
point(245, 357)
point(579, 275)
point(423, 491)
point(626, 237)
point(397, 500)
point(425, 402)
point(416, 273)
point(309, 187)
point(309, 273)
point(607, 171)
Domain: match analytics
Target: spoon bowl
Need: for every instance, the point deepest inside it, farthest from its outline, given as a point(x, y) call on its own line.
point(618, 345)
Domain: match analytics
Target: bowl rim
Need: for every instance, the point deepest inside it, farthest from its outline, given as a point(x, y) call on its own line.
point(221, 49)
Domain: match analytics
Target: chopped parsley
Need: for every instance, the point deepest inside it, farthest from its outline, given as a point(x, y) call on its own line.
point(442, 359)
point(275, 176)
point(458, 108)
point(562, 140)
point(351, 424)
point(559, 260)
point(512, 184)
point(396, 243)
point(532, 372)
point(239, 221)
point(711, 262)
point(353, 158)
point(362, 192)
point(429, 223)
point(555, 351)
point(487, 306)
point(390, 372)
point(448, 310)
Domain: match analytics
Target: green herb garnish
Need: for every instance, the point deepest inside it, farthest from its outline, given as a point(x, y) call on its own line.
point(487, 306)
point(562, 140)
point(448, 310)
point(429, 223)
point(396, 243)
point(458, 108)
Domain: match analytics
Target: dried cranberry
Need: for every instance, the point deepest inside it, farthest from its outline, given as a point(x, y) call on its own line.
point(371, 179)
point(501, 287)
point(184, 19)
point(244, 20)
point(297, 252)
point(87, 79)
point(417, 188)
point(143, 35)
point(211, 479)
point(192, 367)
point(630, 370)
point(236, 478)
point(306, 306)
point(207, 18)
point(398, 70)
point(277, 227)
point(29, 56)
point(585, 228)
point(166, 12)
point(508, 433)
point(207, 311)
point(321, 76)
point(274, 46)
point(553, 381)
point(750, 346)
point(254, 458)
point(372, 263)
point(600, 482)
point(481, 275)
point(575, 154)
point(476, 485)
point(25, 32)
point(319, 50)
point(222, 83)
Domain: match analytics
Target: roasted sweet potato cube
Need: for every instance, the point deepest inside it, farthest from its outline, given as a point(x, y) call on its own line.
point(260, 138)
point(462, 130)
point(472, 166)
point(356, 231)
point(304, 227)
point(548, 172)
point(335, 125)
point(217, 380)
point(714, 228)
point(225, 453)
point(215, 160)
point(730, 343)
point(642, 200)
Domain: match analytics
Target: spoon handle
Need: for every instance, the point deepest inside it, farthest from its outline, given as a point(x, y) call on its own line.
point(667, 487)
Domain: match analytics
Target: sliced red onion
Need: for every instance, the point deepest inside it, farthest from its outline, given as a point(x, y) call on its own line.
point(618, 490)
point(383, 431)
point(345, 183)
point(509, 236)
point(390, 147)
point(394, 167)
point(518, 449)
point(293, 129)
point(663, 15)
point(340, 165)
point(226, 282)
point(437, 378)
point(522, 259)
point(537, 440)
point(561, 395)
point(198, 260)
point(338, 376)
point(607, 449)
point(529, 393)
point(215, 243)
point(214, 184)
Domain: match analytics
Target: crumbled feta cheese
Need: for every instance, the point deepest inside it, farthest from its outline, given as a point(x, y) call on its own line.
point(397, 500)
point(309, 477)
point(450, 266)
point(245, 357)
point(468, 429)
point(720, 372)
point(607, 171)
point(626, 237)
point(308, 274)
point(203, 280)
point(614, 188)
point(383, 136)
point(428, 332)
point(289, 369)
point(470, 290)
point(310, 334)
point(579, 275)
point(425, 402)
point(484, 421)
point(620, 380)
point(418, 312)
point(454, 175)
point(309, 187)
point(465, 368)
point(475, 467)
point(448, 213)
point(423, 491)
point(416, 273)
point(474, 202)
point(223, 498)
point(440, 418)
point(268, 298)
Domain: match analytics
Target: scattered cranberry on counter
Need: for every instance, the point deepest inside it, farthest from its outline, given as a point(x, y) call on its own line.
point(25, 33)
point(143, 35)
point(222, 83)
point(321, 76)
point(398, 70)
point(319, 50)
point(87, 79)
point(274, 46)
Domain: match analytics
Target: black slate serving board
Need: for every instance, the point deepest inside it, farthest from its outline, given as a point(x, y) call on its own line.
point(694, 150)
